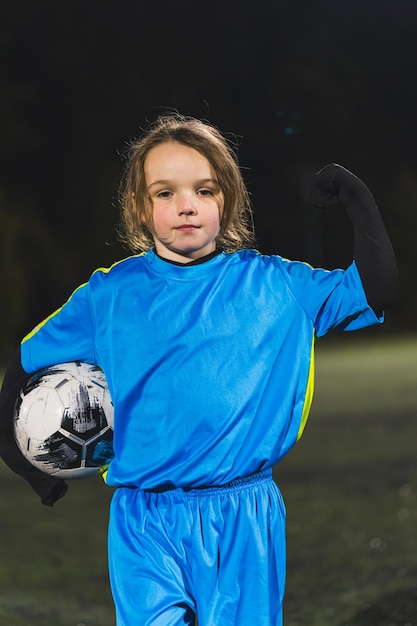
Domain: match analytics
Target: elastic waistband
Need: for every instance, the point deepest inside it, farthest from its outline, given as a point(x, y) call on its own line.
point(233, 485)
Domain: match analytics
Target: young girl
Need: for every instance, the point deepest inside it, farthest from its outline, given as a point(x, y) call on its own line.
point(207, 347)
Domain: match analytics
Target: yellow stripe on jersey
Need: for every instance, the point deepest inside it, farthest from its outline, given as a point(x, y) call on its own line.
point(105, 270)
point(103, 471)
point(309, 393)
point(46, 320)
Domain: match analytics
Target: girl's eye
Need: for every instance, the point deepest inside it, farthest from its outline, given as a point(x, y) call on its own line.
point(205, 192)
point(164, 194)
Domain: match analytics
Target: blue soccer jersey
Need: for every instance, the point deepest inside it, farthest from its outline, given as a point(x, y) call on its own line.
point(210, 366)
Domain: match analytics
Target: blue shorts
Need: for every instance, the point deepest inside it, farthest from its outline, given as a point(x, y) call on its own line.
point(218, 553)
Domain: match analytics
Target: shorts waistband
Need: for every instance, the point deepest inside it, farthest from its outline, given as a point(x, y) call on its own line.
point(233, 485)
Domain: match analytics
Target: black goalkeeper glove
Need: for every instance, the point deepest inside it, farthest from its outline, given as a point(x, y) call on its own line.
point(373, 252)
point(335, 183)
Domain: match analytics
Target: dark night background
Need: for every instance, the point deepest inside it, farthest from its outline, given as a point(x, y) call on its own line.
point(299, 83)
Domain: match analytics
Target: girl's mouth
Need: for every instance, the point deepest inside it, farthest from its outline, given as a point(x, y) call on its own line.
point(187, 227)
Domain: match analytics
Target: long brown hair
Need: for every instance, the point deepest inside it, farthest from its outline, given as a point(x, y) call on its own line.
point(236, 228)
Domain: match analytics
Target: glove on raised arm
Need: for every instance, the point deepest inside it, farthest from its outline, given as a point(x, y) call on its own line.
point(373, 252)
point(48, 488)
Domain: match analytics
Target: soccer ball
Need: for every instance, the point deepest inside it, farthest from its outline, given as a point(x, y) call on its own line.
point(63, 421)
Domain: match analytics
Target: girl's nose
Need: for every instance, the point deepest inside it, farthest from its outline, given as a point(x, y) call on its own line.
point(186, 206)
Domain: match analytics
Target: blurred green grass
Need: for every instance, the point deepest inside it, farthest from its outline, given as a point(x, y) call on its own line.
point(350, 488)
point(53, 565)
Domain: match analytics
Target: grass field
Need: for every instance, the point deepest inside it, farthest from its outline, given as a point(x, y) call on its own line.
point(350, 488)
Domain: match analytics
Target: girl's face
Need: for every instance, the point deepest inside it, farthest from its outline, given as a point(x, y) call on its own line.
point(187, 202)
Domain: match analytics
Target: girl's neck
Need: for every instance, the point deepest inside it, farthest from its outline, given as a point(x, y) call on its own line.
point(202, 259)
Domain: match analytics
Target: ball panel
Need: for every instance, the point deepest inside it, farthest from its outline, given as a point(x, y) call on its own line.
point(40, 401)
point(100, 450)
point(83, 415)
point(55, 453)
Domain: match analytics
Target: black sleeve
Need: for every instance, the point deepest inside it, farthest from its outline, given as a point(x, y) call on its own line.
point(373, 252)
point(49, 488)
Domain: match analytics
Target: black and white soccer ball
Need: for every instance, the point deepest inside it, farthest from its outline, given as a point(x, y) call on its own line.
point(63, 421)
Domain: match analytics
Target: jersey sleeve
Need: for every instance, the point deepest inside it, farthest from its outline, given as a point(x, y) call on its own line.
point(66, 335)
point(333, 299)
